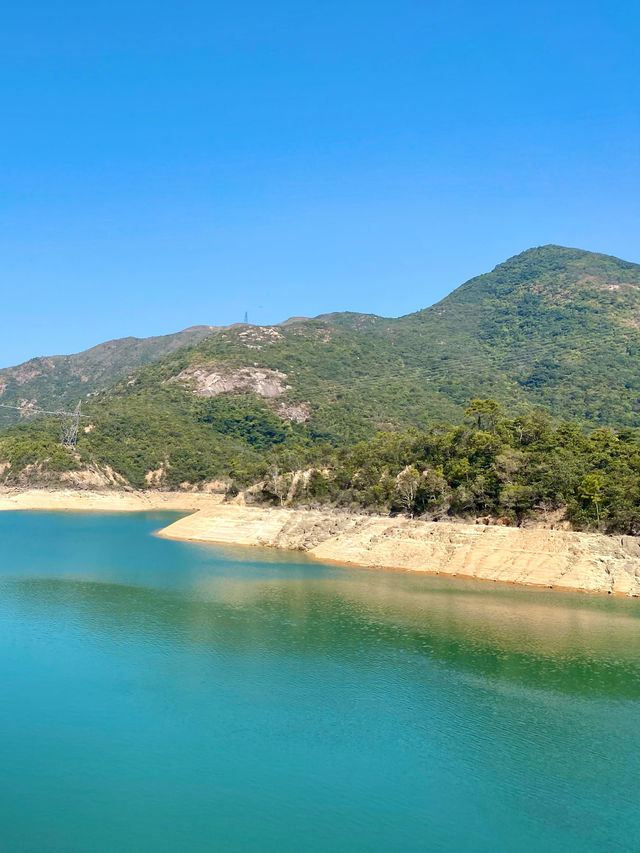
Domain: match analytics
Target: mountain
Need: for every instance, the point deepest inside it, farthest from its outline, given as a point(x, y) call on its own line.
point(552, 328)
point(60, 381)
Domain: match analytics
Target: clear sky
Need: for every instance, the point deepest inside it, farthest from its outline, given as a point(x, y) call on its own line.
point(166, 164)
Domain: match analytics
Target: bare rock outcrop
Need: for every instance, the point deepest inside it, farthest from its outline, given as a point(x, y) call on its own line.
point(297, 412)
point(214, 379)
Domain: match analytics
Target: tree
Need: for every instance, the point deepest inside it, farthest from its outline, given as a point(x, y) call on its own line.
point(277, 484)
point(591, 490)
point(485, 412)
point(532, 426)
point(317, 485)
point(407, 483)
point(434, 494)
point(508, 463)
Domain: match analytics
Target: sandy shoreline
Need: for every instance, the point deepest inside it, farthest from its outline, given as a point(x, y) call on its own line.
point(529, 556)
point(104, 501)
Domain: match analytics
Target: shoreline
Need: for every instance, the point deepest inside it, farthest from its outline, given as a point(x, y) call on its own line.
point(533, 557)
point(111, 500)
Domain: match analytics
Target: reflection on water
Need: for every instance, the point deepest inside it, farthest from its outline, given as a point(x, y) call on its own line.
point(311, 706)
point(571, 647)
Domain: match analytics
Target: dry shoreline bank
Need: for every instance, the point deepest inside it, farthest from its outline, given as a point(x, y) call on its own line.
point(560, 559)
point(109, 500)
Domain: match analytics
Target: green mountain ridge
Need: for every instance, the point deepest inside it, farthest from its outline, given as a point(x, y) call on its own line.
point(60, 381)
point(553, 328)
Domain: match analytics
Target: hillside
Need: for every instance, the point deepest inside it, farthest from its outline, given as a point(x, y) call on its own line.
point(553, 328)
point(59, 381)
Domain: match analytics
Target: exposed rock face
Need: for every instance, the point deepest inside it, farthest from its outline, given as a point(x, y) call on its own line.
point(156, 476)
point(26, 408)
point(533, 557)
point(26, 372)
point(212, 380)
point(105, 500)
point(254, 337)
point(91, 479)
point(297, 412)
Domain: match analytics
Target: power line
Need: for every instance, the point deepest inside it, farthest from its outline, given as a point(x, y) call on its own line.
point(524, 354)
point(29, 411)
point(69, 421)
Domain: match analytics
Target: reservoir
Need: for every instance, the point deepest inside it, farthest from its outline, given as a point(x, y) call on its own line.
point(168, 696)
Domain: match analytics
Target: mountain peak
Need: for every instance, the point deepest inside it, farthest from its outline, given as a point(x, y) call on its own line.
point(542, 328)
point(549, 269)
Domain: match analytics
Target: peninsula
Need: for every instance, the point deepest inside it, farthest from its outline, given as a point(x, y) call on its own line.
point(536, 556)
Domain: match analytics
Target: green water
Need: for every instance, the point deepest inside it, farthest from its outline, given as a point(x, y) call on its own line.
point(163, 696)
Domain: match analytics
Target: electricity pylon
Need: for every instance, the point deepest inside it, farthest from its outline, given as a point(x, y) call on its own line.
point(69, 421)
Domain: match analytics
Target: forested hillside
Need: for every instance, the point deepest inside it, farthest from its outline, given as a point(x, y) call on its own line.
point(552, 329)
point(61, 381)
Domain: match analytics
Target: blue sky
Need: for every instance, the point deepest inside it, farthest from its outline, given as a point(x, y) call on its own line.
point(166, 164)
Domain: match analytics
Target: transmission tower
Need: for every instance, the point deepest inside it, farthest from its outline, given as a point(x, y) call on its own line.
point(69, 421)
point(246, 317)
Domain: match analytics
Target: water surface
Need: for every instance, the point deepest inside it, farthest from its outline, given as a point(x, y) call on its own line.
point(165, 696)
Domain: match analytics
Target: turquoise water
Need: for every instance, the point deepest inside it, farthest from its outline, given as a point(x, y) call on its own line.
point(164, 696)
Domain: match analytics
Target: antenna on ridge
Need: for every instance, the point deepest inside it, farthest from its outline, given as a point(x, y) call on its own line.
point(246, 316)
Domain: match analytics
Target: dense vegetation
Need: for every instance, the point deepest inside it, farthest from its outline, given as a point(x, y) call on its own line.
point(553, 329)
point(511, 469)
point(59, 381)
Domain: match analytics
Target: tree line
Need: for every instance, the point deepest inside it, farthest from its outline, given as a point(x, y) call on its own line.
point(509, 468)
point(512, 469)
